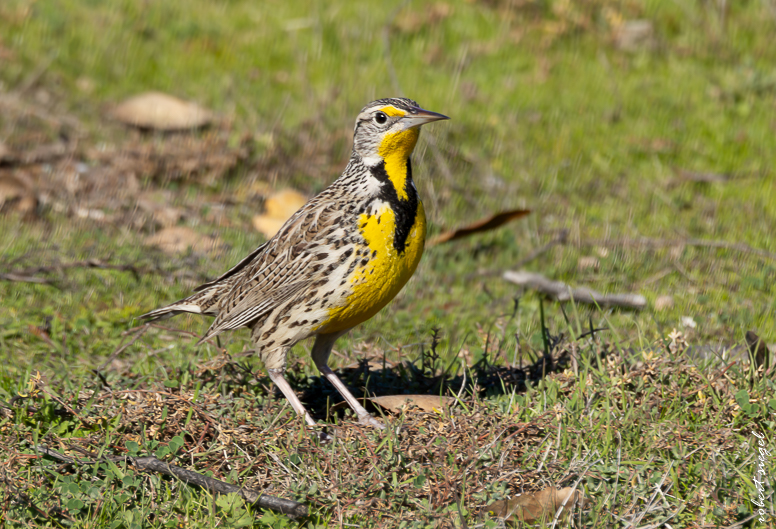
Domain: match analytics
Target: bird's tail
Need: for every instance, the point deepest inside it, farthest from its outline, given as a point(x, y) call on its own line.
point(203, 302)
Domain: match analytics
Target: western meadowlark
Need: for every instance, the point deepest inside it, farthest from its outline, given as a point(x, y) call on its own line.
point(336, 262)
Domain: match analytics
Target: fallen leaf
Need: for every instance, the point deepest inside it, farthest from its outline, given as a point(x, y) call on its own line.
point(279, 208)
point(179, 239)
point(284, 203)
point(395, 403)
point(538, 505)
point(16, 193)
point(488, 223)
point(155, 110)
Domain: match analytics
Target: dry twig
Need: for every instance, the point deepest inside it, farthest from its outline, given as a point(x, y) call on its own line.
point(139, 331)
point(21, 278)
point(190, 477)
point(560, 291)
point(30, 275)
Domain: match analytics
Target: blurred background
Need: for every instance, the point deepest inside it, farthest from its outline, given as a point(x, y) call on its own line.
point(640, 134)
point(147, 146)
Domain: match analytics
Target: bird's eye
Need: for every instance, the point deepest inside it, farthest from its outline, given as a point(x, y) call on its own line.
point(380, 118)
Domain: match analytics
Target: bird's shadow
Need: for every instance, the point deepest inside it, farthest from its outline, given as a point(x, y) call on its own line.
point(482, 379)
point(425, 374)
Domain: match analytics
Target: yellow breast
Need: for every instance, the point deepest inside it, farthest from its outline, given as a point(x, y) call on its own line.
point(385, 272)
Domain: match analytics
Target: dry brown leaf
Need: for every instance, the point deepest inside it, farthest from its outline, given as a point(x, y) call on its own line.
point(395, 403)
point(284, 203)
point(16, 193)
point(538, 505)
point(488, 223)
point(179, 239)
point(279, 208)
point(155, 110)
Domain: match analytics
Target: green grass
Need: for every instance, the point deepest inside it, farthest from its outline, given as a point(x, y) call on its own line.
point(548, 114)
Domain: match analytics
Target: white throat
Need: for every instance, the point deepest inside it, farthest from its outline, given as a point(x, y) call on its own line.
point(371, 161)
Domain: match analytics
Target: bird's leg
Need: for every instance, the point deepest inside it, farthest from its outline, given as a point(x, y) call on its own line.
point(320, 354)
point(276, 375)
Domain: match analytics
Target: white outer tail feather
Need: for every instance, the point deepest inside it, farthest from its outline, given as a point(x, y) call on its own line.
point(171, 310)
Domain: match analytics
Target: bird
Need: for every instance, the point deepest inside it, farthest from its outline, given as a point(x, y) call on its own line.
point(336, 262)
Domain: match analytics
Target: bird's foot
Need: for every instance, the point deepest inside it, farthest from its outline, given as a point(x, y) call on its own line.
point(368, 420)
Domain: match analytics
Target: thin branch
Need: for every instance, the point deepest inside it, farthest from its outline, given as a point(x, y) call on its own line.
point(30, 275)
point(559, 240)
point(123, 347)
point(202, 413)
point(741, 523)
point(654, 495)
point(560, 291)
point(21, 278)
point(211, 341)
point(578, 498)
point(189, 477)
point(88, 263)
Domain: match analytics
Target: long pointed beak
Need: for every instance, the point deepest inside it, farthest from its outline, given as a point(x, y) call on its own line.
point(418, 117)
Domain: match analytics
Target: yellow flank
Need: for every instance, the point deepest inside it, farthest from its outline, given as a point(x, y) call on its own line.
point(395, 149)
point(377, 283)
